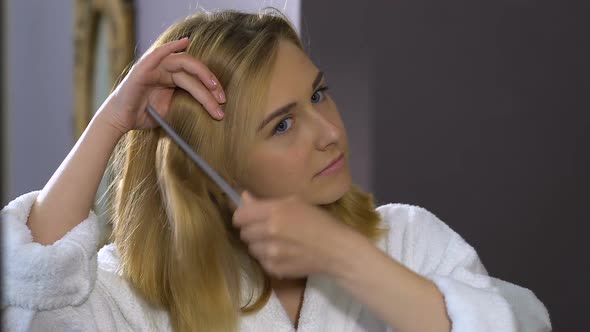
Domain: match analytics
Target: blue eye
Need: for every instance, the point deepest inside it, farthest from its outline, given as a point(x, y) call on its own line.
point(319, 95)
point(283, 126)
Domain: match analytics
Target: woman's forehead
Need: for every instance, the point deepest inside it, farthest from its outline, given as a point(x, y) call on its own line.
point(292, 76)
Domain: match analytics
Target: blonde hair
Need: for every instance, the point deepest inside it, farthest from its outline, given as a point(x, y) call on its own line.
point(171, 223)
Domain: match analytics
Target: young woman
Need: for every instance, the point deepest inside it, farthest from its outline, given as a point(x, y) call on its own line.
point(305, 250)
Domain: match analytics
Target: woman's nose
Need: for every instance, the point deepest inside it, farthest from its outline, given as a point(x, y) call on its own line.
point(327, 132)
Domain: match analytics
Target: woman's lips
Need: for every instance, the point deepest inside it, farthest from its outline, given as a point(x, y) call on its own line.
point(334, 166)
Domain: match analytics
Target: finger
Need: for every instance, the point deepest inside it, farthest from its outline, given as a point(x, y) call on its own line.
point(247, 197)
point(256, 249)
point(196, 88)
point(245, 216)
point(265, 251)
point(249, 214)
point(255, 232)
point(153, 58)
point(183, 61)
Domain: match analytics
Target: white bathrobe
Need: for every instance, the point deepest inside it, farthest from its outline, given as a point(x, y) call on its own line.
point(68, 286)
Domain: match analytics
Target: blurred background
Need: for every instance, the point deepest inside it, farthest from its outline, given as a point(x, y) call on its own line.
point(475, 110)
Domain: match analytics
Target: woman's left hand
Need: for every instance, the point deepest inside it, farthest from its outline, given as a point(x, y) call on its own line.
point(289, 237)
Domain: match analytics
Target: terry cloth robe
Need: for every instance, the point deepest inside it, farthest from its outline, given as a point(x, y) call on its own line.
point(69, 286)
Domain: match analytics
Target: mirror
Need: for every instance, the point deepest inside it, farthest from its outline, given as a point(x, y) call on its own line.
point(104, 46)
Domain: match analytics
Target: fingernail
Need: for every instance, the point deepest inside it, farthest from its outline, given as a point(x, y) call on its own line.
point(214, 82)
point(220, 112)
point(221, 96)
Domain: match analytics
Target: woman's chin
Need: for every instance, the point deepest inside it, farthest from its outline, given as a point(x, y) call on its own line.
point(332, 192)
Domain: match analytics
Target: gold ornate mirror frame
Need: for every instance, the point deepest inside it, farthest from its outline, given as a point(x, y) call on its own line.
point(104, 45)
point(120, 40)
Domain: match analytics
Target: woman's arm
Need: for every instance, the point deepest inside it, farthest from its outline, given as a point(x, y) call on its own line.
point(428, 277)
point(68, 196)
point(398, 296)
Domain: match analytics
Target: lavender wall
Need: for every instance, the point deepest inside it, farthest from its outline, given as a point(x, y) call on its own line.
point(39, 58)
point(3, 102)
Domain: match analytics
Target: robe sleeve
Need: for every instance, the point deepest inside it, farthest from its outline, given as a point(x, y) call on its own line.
point(38, 278)
point(474, 300)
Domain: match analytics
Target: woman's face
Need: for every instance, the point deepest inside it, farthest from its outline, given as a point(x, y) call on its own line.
point(299, 134)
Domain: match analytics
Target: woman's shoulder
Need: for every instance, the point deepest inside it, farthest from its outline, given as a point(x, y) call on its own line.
point(133, 307)
point(415, 236)
point(411, 216)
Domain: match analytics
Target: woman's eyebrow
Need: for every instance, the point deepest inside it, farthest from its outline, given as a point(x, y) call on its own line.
point(285, 109)
point(317, 80)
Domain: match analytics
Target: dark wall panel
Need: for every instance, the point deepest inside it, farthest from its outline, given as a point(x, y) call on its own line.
point(482, 116)
point(335, 37)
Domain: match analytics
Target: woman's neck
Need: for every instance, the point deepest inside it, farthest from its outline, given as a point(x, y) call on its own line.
point(286, 284)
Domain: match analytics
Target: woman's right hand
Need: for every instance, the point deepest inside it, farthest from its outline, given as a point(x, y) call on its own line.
point(152, 81)
point(69, 195)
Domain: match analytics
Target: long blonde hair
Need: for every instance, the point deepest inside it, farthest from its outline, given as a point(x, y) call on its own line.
point(171, 223)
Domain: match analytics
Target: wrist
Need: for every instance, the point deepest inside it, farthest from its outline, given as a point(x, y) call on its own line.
point(108, 123)
point(349, 252)
point(105, 125)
